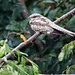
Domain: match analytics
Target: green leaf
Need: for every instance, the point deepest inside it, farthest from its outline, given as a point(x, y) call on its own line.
point(30, 71)
point(35, 67)
point(17, 26)
point(70, 70)
point(2, 51)
point(18, 54)
point(2, 42)
point(23, 62)
point(12, 27)
point(61, 56)
point(6, 72)
point(7, 48)
point(24, 22)
point(41, 37)
point(18, 58)
point(22, 53)
point(18, 68)
point(72, 19)
point(46, 11)
point(66, 51)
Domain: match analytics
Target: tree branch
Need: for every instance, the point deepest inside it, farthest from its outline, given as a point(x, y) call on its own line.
point(65, 16)
point(19, 46)
point(34, 36)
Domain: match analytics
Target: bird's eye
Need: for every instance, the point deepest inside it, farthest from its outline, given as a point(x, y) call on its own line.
point(34, 16)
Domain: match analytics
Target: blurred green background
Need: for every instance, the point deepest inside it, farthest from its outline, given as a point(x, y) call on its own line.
point(44, 50)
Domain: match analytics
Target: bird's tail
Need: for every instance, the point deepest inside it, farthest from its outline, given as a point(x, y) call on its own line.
point(54, 26)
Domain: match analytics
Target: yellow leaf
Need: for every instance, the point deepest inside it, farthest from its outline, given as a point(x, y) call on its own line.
point(23, 37)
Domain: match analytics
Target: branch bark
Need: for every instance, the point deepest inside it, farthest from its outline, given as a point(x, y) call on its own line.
point(34, 36)
point(65, 16)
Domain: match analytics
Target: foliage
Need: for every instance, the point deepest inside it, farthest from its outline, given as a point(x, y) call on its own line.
point(70, 70)
point(44, 54)
point(66, 50)
point(19, 67)
point(4, 49)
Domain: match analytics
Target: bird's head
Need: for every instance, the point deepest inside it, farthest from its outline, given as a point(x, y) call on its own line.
point(39, 23)
point(35, 15)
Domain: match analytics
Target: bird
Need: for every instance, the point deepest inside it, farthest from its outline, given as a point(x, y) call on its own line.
point(44, 25)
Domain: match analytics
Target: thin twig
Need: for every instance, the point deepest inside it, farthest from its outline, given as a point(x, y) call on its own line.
point(34, 36)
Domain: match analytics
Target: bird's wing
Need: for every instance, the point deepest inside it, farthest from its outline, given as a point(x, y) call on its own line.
point(54, 26)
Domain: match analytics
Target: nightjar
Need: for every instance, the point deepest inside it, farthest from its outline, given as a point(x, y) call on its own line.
point(42, 24)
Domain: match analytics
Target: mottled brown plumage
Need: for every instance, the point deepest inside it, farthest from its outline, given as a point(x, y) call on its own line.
point(42, 24)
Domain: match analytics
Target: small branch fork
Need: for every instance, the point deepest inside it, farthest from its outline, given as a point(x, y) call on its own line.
point(34, 36)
